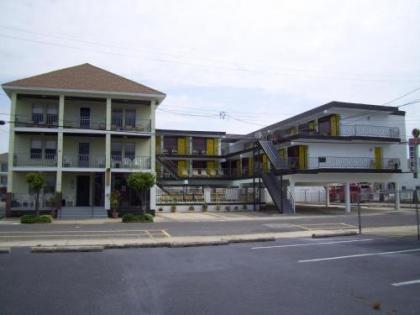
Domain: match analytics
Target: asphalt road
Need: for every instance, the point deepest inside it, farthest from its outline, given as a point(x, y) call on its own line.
point(271, 224)
point(297, 276)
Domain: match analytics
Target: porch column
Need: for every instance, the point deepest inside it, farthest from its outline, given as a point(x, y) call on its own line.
point(153, 198)
point(11, 154)
point(397, 195)
point(292, 194)
point(107, 192)
point(107, 201)
point(152, 153)
point(347, 200)
point(207, 195)
point(327, 196)
point(60, 146)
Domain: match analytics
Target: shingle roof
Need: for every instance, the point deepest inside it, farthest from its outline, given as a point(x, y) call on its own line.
point(84, 77)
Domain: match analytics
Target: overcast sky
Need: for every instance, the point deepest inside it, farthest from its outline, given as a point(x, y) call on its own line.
point(258, 62)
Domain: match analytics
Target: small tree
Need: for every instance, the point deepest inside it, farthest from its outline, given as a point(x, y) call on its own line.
point(35, 181)
point(140, 183)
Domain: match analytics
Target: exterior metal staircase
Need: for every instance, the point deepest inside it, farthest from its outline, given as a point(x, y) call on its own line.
point(279, 197)
point(276, 162)
point(168, 166)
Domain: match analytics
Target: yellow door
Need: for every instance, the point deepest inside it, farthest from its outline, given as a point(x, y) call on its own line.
point(265, 163)
point(182, 146)
point(250, 166)
point(182, 168)
point(303, 156)
point(335, 125)
point(211, 168)
point(158, 141)
point(210, 147)
point(378, 157)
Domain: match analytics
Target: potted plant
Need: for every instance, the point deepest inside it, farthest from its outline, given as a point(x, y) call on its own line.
point(35, 181)
point(115, 202)
point(204, 207)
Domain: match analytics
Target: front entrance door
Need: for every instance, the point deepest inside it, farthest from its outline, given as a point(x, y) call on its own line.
point(83, 191)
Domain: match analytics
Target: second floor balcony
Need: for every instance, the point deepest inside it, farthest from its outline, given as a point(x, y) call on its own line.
point(135, 125)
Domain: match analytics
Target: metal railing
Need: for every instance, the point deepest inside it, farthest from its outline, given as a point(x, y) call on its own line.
point(369, 131)
point(37, 120)
point(27, 201)
point(83, 160)
point(332, 162)
point(135, 162)
point(139, 125)
point(85, 123)
point(41, 159)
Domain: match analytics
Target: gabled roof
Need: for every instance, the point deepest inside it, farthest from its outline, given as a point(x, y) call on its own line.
point(84, 77)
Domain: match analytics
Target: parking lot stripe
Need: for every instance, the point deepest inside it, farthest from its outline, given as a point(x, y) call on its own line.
point(360, 255)
point(399, 284)
point(312, 244)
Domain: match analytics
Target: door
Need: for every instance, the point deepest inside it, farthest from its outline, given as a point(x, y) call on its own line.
point(85, 117)
point(84, 154)
point(83, 191)
point(378, 157)
point(99, 190)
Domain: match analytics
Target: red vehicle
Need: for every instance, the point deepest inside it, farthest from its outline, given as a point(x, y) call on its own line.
point(362, 189)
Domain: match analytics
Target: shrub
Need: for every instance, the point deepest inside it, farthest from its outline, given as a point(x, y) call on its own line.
point(227, 208)
point(137, 218)
point(244, 207)
point(173, 208)
point(236, 208)
point(160, 209)
point(204, 208)
point(191, 208)
point(218, 207)
point(31, 218)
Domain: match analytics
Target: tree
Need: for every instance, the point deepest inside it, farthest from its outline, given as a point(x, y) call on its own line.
point(140, 183)
point(35, 181)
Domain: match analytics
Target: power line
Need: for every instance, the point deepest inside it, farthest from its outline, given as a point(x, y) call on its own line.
point(402, 96)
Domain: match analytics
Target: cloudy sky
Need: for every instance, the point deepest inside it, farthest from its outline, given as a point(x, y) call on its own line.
point(256, 62)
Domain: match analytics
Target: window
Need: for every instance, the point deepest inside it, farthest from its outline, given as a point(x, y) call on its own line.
point(36, 149)
point(130, 118)
point(130, 150)
point(3, 180)
point(85, 117)
point(37, 114)
point(49, 186)
point(52, 115)
point(199, 145)
point(116, 151)
point(50, 149)
point(169, 144)
point(4, 167)
point(116, 118)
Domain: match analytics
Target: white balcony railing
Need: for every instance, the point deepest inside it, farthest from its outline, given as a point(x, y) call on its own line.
point(133, 162)
point(369, 131)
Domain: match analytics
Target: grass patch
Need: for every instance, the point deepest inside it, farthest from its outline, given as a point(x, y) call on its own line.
point(137, 218)
point(31, 218)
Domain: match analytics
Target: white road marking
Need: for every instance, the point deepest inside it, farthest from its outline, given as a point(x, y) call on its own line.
point(360, 255)
point(399, 284)
point(312, 244)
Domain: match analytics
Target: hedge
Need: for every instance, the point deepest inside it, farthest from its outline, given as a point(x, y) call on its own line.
point(31, 218)
point(129, 217)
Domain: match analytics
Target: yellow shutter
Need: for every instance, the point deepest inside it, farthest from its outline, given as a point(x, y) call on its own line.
point(250, 166)
point(211, 168)
point(265, 162)
point(378, 157)
point(210, 146)
point(335, 125)
point(182, 146)
point(158, 142)
point(182, 168)
point(282, 153)
point(303, 156)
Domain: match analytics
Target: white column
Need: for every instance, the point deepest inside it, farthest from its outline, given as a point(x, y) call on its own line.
point(292, 193)
point(397, 196)
point(153, 152)
point(60, 145)
point(327, 196)
point(347, 200)
point(107, 192)
point(207, 195)
point(11, 143)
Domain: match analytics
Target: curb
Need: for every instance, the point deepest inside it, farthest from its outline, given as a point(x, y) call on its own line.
point(324, 235)
point(66, 249)
point(4, 250)
point(175, 244)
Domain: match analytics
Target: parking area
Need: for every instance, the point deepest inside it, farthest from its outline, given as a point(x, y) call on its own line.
point(357, 275)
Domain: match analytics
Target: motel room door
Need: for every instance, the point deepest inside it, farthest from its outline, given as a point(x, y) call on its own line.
point(83, 191)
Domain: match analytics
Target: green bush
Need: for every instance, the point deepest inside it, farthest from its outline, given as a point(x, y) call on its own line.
point(191, 208)
point(129, 217)
point(31, 218)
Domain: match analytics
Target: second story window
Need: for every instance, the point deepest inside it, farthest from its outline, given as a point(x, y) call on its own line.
point(36, 149)
point(37, 114)
point(117, 119)
point(116, 151)
point(50, 150)
point(52, 116)
point(130, 119)
point(4, 167)
point(130, 150)
point(199, 146)
point(170, 145)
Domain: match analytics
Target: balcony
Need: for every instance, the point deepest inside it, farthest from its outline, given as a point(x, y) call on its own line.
point(135, 162)
point(37, 121)
point(369, 131)
point(137, 125)
point(35, 159)
point(83, 161)
point(85, 123)
point(332, 162)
